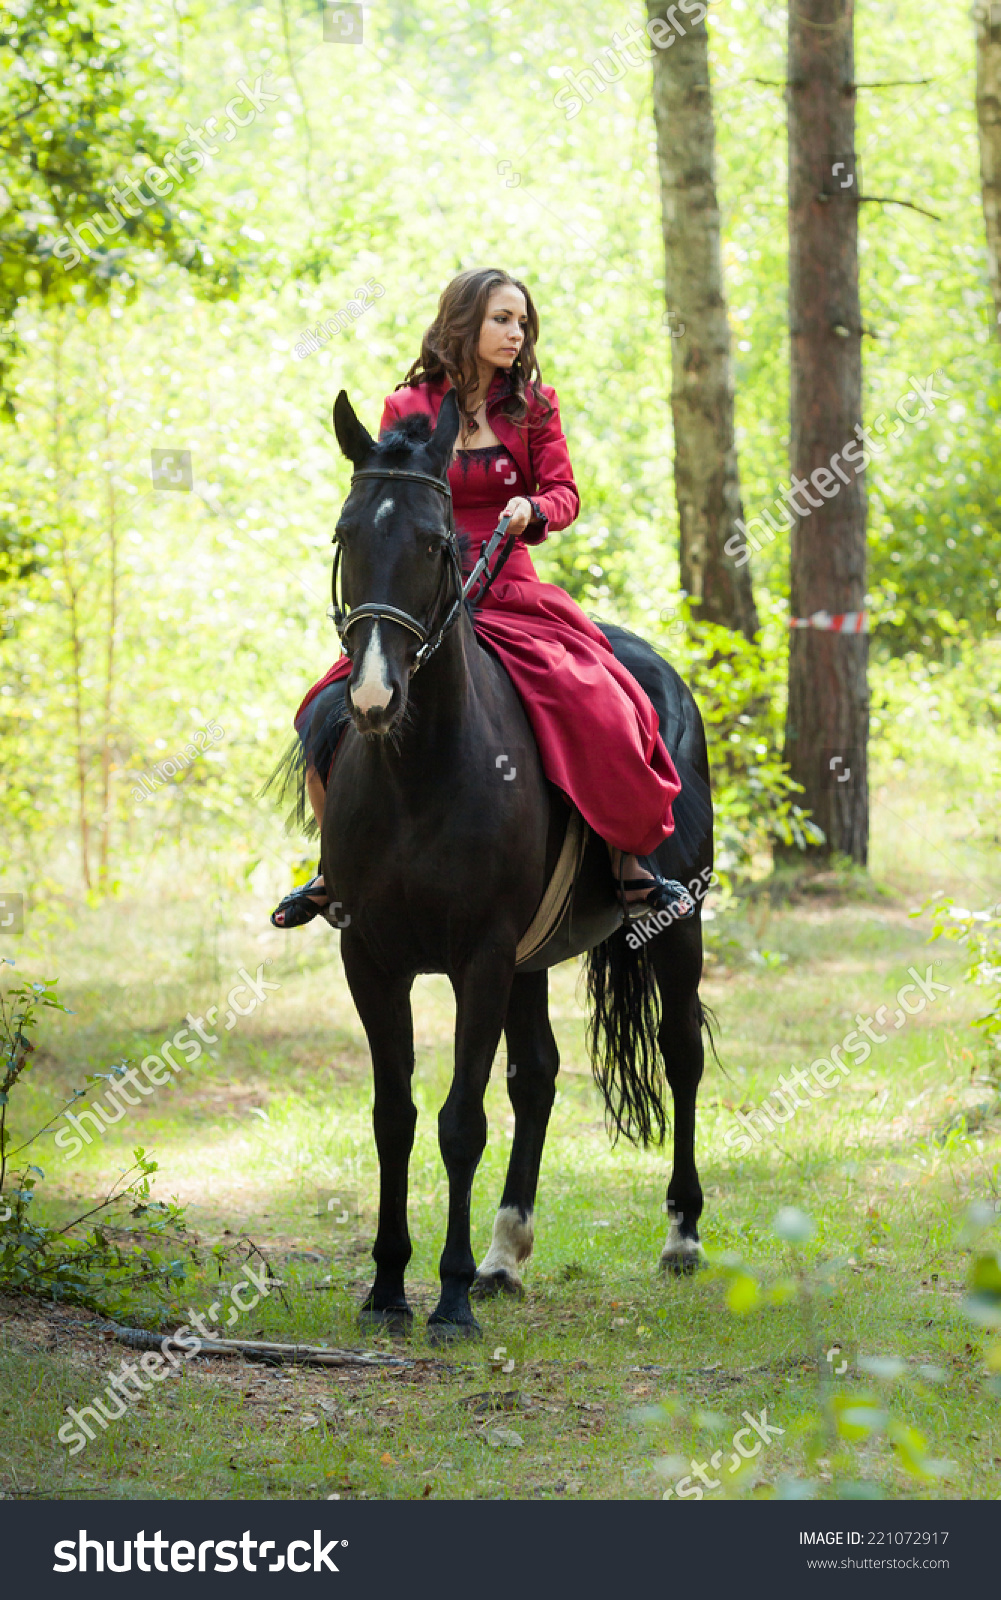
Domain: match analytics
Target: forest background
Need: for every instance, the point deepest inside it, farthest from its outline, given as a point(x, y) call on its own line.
point(169, 484)
point(134, 611)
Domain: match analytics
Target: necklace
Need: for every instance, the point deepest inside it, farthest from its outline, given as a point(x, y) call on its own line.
point(465, 437)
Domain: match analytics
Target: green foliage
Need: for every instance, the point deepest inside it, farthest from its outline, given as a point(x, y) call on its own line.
point(935, 529)
point(982, 1301)
point(932, 487)
point(19, 1008)
point(945, 713)
point(980, 934)
point(739, 686)
point(73, 76)
point(131, 615)
point(85, 1265)
point(843, 1416)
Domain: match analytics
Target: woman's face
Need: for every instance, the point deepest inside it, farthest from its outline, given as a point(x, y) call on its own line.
point(503, 332)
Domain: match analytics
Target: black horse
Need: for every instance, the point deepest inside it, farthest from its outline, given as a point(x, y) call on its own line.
point(439, 854)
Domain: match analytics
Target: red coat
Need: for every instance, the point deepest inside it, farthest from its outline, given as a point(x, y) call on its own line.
point(540, 451)
point(596, 730)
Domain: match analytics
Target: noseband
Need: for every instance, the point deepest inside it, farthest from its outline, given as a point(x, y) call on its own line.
point(430, 640)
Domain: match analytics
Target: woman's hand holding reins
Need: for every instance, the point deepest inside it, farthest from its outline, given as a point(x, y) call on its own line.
point(520, 511)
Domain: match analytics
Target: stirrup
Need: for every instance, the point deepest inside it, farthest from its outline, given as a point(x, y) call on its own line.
point(665, 894)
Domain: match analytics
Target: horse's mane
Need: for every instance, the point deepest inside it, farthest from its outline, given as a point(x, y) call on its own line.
point(401, 438)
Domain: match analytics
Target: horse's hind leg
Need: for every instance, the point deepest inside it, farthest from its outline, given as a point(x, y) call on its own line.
point(533, 1062)
point(676, 957)
point(384, 1007)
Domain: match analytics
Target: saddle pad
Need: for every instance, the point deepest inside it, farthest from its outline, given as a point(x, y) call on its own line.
point(553, 904)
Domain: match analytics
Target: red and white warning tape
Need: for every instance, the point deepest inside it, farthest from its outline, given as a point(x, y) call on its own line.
point(841, 622)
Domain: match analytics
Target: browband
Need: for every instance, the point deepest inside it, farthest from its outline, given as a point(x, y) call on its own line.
point(387, 613)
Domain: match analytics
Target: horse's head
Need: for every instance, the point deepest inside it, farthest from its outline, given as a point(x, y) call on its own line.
point(396, 552)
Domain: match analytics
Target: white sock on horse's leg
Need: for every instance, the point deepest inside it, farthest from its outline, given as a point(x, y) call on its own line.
point(510, 1246)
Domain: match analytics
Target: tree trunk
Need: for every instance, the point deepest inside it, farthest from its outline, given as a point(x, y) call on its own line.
point(987, 19)
point(827, 723)
point(706, 479)
point(72, 588)
point(107, 752)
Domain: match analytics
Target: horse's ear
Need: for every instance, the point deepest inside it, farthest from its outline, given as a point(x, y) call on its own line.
point(355, 440)
point(445, 434)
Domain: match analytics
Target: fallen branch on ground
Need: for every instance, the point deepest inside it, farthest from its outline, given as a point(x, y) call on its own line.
point(312, 1355)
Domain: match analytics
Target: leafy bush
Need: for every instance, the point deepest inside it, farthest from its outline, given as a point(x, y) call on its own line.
point(740, 689)
point(88, 1267)
point(840, 1418)
point(935, 529)
point(980, 933)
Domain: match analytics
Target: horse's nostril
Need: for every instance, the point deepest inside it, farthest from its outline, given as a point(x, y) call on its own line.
point(375, 718)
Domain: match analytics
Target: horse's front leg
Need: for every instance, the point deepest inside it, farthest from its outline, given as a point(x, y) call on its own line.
point(481, 994)
point(383, 1002)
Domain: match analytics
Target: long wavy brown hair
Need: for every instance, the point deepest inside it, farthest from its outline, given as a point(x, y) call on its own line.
point(448, 349)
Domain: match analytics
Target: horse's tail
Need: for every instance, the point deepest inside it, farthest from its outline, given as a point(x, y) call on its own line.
point(622, 1039)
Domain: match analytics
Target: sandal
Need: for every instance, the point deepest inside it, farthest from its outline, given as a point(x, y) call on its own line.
point(299, 907)
point(665, 894)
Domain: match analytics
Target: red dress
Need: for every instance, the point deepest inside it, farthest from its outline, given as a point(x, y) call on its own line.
point(596, 729)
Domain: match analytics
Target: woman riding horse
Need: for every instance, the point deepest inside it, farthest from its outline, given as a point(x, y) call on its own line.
point(596, 730)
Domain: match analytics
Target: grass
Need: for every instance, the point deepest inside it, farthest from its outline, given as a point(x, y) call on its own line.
point(620, 1379)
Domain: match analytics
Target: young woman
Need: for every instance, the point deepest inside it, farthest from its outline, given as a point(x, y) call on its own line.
point(596, 729)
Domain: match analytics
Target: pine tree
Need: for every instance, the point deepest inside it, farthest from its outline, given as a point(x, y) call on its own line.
point(827, 720)
point(706, 478)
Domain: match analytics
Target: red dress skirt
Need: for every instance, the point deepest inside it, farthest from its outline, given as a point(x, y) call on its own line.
point(595, 727)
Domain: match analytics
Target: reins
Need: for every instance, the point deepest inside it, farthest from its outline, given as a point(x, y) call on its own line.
point(430, 639)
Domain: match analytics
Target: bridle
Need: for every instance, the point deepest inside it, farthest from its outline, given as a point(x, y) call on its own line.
point(430, 638)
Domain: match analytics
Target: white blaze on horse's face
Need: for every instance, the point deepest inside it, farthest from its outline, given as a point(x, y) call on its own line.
point(385, 510)
point(373, 690)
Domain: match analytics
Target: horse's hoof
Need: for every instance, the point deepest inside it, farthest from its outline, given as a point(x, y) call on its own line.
point(386, 1319)
point(487, 1285)
point(441, 1331)
point(683, 1258)
point(682, 1253)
